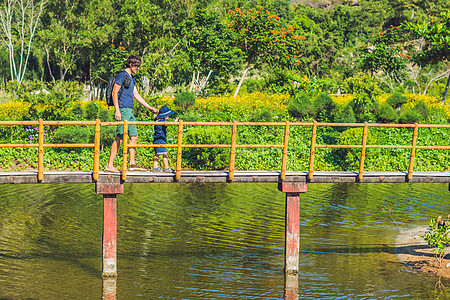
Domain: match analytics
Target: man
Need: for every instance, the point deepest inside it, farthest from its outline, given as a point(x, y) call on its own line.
point(124, 111)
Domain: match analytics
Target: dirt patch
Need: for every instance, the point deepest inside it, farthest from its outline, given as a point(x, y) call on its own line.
point(414, 251)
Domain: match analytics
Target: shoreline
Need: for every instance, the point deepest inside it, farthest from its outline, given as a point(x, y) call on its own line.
point(414, 252)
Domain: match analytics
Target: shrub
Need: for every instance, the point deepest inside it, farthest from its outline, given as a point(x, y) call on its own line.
point(301, 107)
point(345, 115)
point(324, 107)
point(184, 100)
point(410, 117)
point(207, 158)
point(387, 114)
point(189, 117)
point(72, 135)
point(422, 109)
point(263, 116)
point(397, 99)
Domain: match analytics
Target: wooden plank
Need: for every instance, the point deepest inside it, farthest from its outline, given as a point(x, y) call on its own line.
point(60, 177)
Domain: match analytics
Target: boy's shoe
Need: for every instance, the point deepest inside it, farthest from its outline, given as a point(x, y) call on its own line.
point(169, 170)
point(156, 170)
point(136, 168)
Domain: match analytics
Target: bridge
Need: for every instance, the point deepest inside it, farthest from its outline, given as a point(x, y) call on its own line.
point(290, 182)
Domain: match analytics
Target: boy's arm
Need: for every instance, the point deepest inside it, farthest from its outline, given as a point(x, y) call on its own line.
point(142, 101)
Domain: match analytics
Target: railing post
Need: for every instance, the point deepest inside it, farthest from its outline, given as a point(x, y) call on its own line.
point(292, 224)
point(311, 156)
point(413, 151)
point(96, 150)
point(232, 150)
point(179, 149)
point(285, 149)
point(125, 150)
point(41, 151)
point(363, 151)
point(109, 192)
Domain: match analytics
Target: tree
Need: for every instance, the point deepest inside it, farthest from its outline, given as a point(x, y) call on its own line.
point(385, 56)
point(437, 43)
point(209, 45)
point(19, 20)
point(265, 39)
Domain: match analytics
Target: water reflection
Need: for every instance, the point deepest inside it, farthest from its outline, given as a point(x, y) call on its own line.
point(213, 241)
point(291, 287)
point(109, 288)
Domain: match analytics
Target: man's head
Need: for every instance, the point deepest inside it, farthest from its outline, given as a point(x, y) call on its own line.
point(133, 62)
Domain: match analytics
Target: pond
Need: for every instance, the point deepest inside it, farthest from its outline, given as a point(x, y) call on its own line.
point(214, 241)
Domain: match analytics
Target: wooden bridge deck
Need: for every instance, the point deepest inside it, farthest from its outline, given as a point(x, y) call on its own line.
point(28, 177)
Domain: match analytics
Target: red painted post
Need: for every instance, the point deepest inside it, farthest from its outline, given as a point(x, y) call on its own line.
point(109, 191)
point(292, 224)
point(109, 235)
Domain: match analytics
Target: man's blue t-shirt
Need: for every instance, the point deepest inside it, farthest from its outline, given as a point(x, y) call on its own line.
point(126, 98)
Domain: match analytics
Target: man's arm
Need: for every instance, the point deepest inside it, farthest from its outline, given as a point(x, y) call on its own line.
point(142, 101)
point(115, 97)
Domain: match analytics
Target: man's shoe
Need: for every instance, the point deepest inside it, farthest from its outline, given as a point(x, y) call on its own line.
point(156, 170)
point(136, 168)
point(169, 170)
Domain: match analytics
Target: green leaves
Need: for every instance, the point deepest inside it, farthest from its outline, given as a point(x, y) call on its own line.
point(438, 237)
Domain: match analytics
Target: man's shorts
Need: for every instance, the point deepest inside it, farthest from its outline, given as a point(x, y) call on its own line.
point(127, 114)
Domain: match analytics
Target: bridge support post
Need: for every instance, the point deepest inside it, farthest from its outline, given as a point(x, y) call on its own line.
point(292, 224)
point(109, 192)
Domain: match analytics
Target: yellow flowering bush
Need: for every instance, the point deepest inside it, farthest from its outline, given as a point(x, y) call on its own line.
point(240, 105)
point(13, 110)
point(342, 100)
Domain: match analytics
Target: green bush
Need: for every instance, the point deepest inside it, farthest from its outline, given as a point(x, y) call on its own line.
point(72, 135)
point(207, 158)
point(325, 107)
point(422, 109)
point(184, 100)
point(387, 114)
point(189, 117)
point(397, 99)
point(263, 116)
point(301, 107)
point(410, 117)
point(345, 115)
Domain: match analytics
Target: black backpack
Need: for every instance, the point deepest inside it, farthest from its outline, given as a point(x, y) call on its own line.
point(109, 88)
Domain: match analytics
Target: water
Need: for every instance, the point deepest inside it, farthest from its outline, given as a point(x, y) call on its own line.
point(214, 241)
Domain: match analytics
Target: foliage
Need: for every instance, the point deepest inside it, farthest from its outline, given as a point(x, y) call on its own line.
point(410, 117)
point(437, 238)
point(397, 99)
point(265, 38)
point(207, 158)
point(387, 114)
point(302, 107)
point(72, 135)
point(324, 106)
point(385, 55)
point(437, 36)
point(184, 100)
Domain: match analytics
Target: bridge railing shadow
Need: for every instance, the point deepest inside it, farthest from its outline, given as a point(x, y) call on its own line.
point(232, 145)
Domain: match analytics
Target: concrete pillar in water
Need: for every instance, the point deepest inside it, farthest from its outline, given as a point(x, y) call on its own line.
point(109, 192)
point(292, 224)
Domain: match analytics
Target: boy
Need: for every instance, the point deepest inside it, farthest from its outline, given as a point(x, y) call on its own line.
point(160, 138)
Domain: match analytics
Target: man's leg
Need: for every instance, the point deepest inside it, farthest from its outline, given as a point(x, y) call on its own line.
point(132, 150)
point(114, 148)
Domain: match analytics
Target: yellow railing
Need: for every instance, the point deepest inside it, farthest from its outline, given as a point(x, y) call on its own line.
point(233, 145)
